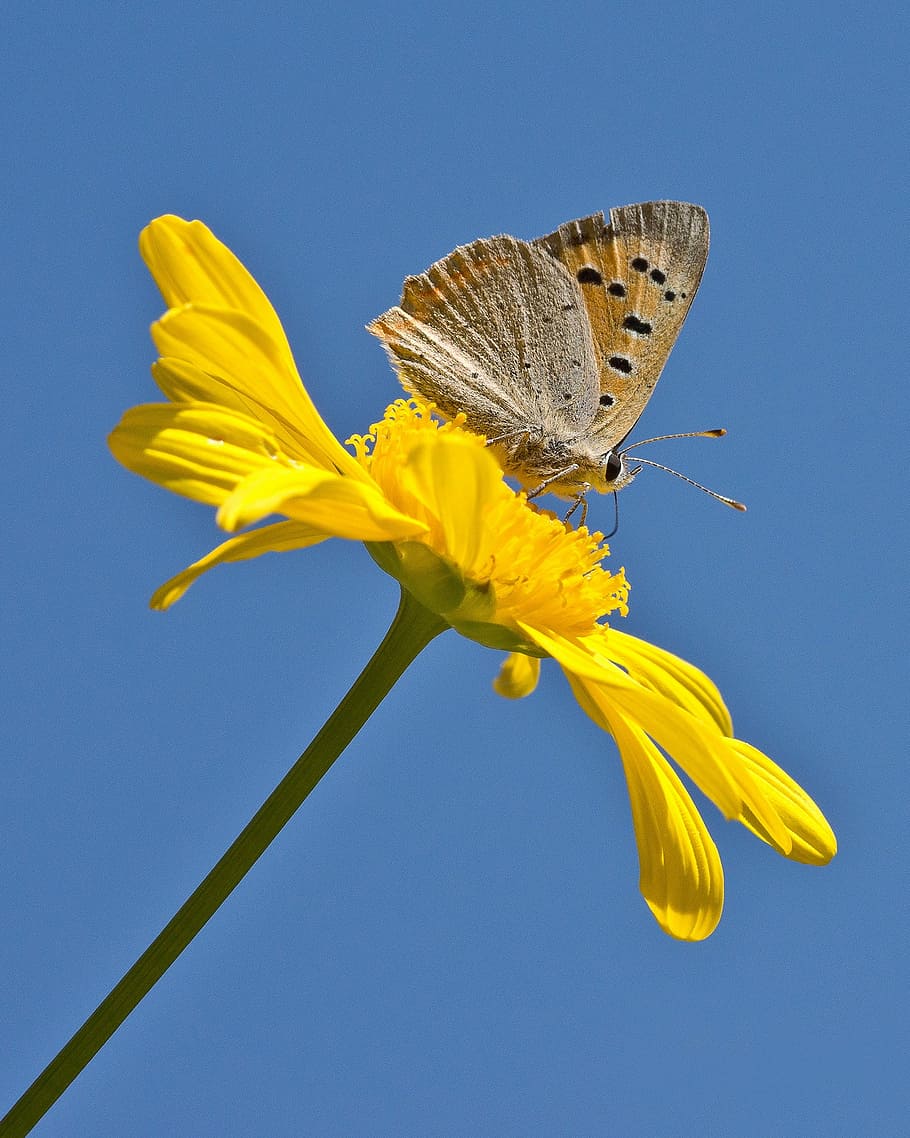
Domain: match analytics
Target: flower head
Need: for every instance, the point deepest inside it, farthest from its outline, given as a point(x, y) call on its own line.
point(240, 432)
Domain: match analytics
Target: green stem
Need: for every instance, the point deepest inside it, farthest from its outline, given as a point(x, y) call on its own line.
point(412, 629)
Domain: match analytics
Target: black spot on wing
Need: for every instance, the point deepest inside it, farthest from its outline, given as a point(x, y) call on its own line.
point(633, 324)
point(587, 274)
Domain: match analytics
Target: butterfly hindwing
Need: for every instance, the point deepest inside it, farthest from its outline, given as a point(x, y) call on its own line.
point(497, 329)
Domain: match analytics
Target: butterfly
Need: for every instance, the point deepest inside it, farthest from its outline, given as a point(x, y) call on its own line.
point(552, 348)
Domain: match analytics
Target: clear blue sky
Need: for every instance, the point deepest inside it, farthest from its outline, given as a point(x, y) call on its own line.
point(448, 939)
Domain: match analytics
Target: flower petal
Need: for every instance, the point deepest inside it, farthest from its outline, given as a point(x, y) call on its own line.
point(251, 362)
point(183, 382)
point(813, 840)
point(671, 676)
point(196, 449)
point(278, 538)
point(331, 503)
point(456, 480)
point(191, 266)
point(518, 676)
point(695, 745)
point(681, 876)
point(693, 741)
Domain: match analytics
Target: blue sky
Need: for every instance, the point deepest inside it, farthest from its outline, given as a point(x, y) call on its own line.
point(448, 938)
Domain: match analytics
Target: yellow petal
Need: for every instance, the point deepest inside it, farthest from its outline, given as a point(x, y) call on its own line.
point(279, 538)
point(183, 382)
point(197, 450)
point(681, 877)
point(813, 840)
point(455, 480)
point(249, 361)
point(693, 742)
point(330, 503)
point(518, 676)
point(191, 266)
point(673, 677)
point(695, 745)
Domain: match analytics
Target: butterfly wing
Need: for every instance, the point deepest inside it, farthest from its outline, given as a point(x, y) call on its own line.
point(638, 276)
point(498, 330)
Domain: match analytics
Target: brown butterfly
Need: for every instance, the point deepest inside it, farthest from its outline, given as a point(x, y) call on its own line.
point(553, 347)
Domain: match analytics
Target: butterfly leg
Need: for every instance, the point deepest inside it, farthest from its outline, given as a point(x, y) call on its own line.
point(582, 501)
point(557, 477)
point(507, 435)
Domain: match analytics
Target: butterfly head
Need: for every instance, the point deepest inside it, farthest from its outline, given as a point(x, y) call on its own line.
point(568, 471)
point(613, 472)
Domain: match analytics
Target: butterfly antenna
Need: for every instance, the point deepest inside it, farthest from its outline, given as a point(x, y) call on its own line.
point(716, 433)
point(698, 486)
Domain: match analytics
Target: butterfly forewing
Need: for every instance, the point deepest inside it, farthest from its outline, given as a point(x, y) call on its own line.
point(638, 275)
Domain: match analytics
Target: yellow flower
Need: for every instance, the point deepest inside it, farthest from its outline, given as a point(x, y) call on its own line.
point(241, 433)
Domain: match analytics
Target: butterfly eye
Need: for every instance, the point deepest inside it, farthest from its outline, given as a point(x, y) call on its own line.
point(613, 467)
